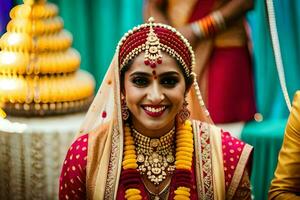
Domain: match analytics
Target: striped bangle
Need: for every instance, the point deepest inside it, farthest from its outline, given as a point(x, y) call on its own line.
point(218, 20)
point(197, 30)
point(209, 25)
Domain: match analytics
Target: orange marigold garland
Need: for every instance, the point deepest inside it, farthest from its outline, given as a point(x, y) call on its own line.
point(130, 174)
point(184, 157)
point(183, 163)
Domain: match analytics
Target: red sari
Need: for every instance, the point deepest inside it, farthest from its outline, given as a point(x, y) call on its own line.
point(73, 175)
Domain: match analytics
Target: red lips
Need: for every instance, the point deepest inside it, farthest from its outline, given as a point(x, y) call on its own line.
point(154, 110)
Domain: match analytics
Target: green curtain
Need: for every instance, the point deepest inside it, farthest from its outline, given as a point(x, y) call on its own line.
point(267, 136)
point(97, 26)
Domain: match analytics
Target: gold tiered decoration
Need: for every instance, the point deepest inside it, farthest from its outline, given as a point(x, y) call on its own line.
point(38, 68)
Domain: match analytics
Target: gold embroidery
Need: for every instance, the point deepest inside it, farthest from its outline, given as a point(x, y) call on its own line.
point(238, 172)
point(198, 166)
point(244, 189)
point(203, 161)
point(112, 168)
point(206, 162)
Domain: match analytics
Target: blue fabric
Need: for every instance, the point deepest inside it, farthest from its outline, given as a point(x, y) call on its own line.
point(5, 6)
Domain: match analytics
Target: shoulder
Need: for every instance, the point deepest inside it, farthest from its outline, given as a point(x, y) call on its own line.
point(72, 178)
point(234, 151)
point(76, 158)
point(226, 138)
point(77, 153)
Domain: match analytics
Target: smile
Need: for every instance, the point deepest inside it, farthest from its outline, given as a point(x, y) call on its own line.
point(154, 111)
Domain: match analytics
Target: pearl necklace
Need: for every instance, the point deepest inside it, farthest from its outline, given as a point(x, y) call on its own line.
point(155, 156)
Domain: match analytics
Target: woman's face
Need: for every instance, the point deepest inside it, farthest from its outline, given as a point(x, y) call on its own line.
point(154, 95)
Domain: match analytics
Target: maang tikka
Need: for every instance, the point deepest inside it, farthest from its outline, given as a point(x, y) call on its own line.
point(152, 53)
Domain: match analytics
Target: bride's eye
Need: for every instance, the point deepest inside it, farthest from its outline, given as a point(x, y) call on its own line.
point(169, 82)
point(140, 81)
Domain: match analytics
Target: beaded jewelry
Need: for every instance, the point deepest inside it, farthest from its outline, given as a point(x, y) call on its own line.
point(183, 161)
point(134, 42)
point(152, 52)
point(155, 156)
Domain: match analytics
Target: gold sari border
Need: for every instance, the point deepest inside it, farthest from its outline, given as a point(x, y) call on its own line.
point(203, 166)
point(111, 182)
point(198, 167)
point(238, 173)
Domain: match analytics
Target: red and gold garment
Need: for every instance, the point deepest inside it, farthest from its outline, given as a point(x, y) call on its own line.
point(209, 179)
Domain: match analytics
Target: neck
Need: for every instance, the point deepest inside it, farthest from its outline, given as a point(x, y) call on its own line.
point(153, 133)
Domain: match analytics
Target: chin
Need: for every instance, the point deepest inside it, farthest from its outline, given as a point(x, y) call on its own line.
point(155, 124)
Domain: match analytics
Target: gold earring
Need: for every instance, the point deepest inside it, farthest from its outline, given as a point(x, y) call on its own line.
point(124, 108)
point(184, 113)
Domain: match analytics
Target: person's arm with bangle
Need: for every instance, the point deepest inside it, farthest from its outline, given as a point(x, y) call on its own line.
point(209, 25)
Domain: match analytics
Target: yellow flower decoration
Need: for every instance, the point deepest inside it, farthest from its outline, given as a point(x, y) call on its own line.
point(129, 162)
point(184, 155)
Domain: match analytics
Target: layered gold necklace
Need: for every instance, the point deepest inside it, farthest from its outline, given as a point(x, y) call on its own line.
point(183, 161)
point(155, 156)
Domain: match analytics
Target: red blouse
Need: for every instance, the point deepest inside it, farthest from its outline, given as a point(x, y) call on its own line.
point(73, 174)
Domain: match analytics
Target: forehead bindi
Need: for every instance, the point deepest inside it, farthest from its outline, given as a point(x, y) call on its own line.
point(154, 74)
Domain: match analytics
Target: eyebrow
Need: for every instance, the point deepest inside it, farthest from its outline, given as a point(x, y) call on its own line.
point(140, 74)
point(168, 73)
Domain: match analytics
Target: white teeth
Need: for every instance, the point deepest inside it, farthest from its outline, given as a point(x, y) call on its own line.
point(151, 109)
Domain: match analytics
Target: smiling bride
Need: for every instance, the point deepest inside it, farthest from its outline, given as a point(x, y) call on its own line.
point(148, 135)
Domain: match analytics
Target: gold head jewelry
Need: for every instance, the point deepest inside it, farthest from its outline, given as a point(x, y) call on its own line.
point(152, 52)
point(152, 38)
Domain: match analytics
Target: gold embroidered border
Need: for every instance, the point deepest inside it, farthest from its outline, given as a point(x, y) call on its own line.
point(238, 173)
point(198, 167)
point(206, 162)
point(112, 168)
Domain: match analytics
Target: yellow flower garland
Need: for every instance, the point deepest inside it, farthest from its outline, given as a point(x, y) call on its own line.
point(130, 162)
point(184, 157)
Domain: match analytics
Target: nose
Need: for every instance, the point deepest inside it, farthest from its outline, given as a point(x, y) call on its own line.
point(155, 94)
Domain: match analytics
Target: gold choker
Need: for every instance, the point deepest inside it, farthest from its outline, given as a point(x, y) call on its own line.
point(155, 156)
